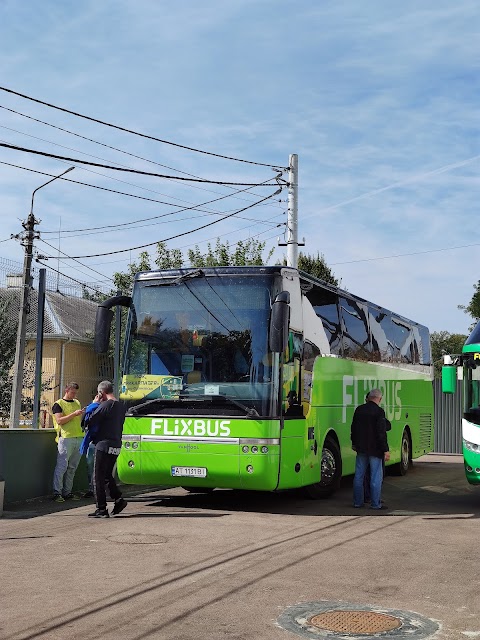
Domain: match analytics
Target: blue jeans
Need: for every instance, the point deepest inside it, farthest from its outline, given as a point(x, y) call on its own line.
point(376, 478)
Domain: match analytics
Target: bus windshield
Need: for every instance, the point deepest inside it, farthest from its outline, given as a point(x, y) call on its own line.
point(199, 344)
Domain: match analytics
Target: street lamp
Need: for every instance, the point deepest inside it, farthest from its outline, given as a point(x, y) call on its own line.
point(27, 242)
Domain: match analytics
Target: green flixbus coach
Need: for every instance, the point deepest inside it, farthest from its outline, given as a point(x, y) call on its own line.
point(247, 378)
point(467, 364)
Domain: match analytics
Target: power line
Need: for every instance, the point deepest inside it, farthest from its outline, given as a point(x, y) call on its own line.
point(130, 195)
point(185, 246)
point(142, 135)
point(179, 235)
point(136, 171)
point(77, 261)
point(73, 133)
point(83, 284)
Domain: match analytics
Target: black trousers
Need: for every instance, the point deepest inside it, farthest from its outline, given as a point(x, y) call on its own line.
point(103, 464)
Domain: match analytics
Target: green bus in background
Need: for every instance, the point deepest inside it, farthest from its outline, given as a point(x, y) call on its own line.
point(247, 378)
point(469, 364)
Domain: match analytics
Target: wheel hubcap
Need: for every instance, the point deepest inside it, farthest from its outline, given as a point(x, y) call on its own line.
point(405, 453)
point(328, 467)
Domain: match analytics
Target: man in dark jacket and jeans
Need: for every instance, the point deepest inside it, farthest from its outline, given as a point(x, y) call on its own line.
point(369, 440)
point(107, 438)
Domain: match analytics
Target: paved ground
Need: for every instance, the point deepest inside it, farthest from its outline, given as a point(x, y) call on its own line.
point(179, 567)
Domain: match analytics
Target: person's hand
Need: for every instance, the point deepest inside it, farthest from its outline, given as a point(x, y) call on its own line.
point(354, 447)
point(387, 455)
point(79, 412)
point(98, 397)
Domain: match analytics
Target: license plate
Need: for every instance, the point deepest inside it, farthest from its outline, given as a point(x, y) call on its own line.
point(190, 472)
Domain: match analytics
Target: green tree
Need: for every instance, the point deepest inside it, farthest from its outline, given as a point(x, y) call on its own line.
point(445, 343)
point(473, 308)
point(167, 259)
point(248, 253)
point(8, 341)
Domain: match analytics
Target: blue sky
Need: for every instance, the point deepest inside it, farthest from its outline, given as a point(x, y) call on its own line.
point(378, 99)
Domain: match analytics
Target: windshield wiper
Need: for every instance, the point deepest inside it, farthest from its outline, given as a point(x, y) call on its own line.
point(250, 411)
point(198, 273)
point(142, 405)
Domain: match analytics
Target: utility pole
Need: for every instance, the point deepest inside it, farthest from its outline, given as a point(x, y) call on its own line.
point(292, 243)
point(27, 239)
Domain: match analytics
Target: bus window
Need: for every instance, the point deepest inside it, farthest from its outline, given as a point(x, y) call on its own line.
point(424, 346)
point(310, 353)
point(325, 305)
point(356, 340)
point(471, 382)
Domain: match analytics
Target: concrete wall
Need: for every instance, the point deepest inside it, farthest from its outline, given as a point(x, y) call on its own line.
point(27, 461)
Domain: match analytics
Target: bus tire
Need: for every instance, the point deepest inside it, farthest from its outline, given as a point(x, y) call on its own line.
point(401, 468)
point(199, 489)
point(330, 472)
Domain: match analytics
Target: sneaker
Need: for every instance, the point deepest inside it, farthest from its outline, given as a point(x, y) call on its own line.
point(88, 494)
point(71, 496)
point(99, 513)
point(58, 498)
point(119, 506)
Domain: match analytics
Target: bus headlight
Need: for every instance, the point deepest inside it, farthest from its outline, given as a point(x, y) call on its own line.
point(126, 445)
point(470, 446)
point(250, 468)
point(131, 464)
point(245, 449)
point(254, 449)
point(134, 445)
point(264, 449)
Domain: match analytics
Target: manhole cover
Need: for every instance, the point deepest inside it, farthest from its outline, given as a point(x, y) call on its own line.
point(364, 622)
point(137, 538)
point(326, 620)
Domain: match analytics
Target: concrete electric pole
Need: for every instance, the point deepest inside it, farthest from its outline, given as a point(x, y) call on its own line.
point(292, 243)
point(27, 239)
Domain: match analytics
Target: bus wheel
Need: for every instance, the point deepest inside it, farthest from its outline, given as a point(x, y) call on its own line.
point(330, 472)
point(401, 468)
point(199, 489)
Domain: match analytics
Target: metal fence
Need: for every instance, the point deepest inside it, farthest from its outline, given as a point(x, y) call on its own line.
point(67, 341)
point(448, 419)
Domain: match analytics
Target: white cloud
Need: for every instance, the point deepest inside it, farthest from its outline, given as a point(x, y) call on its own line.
point(368, 95)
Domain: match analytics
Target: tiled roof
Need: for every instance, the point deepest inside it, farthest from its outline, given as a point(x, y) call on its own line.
point(69, 316)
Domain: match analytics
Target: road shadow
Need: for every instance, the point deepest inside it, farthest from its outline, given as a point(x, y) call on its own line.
point(431, 490)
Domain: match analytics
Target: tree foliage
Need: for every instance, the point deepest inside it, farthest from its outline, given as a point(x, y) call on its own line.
point(8, 341)
point(248, 253)
point(473, 308)
point(445, 343)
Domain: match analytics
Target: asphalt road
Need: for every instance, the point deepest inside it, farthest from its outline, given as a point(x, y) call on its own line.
point(229, 565)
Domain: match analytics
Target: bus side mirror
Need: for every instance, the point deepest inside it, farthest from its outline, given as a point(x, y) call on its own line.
point(279, 320)
point(449, 379)
point(103, 324)
point(103, 321)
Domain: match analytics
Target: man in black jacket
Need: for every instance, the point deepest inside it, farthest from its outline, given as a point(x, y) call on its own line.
point(107, 438)
point(369, 440)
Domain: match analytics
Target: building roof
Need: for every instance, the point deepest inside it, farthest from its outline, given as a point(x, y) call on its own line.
point(68, 316)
